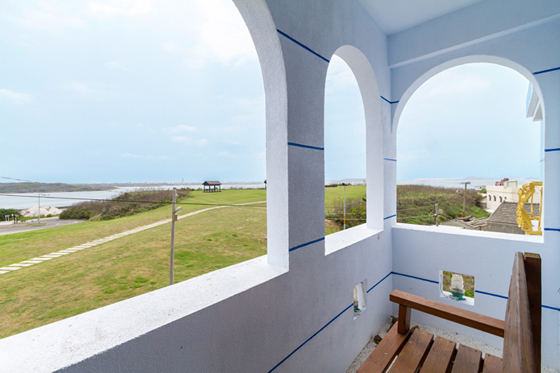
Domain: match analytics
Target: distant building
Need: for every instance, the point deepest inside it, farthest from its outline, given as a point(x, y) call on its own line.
point(213, 186)
point(505, 191)
point(504, 219)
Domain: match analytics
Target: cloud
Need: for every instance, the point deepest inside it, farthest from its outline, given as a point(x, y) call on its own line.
point(116, 66)
point(138, 156)
point(181, 128)
point(116, 8)
point(339, 75)
point(454, 83)
point(220, 35)
point(89, 89)
point(14, 97)
point(49, 17)
point(188, 141)
point(252, 115)
point(182, 140)
point(170, 46)
point(79, 87)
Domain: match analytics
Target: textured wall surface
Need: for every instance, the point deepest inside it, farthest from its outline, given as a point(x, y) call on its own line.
point(291, 310)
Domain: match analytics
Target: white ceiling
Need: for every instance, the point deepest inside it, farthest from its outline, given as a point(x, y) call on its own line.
point(397, 15)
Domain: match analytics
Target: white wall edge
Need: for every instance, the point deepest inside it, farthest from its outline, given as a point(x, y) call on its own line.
point(70, 341)
point(340, 240)
point(471, 233)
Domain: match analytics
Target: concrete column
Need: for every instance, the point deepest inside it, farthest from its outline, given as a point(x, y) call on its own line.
point(549, 84)
point(305, 75)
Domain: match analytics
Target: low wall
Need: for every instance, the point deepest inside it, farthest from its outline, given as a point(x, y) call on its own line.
point(250, 317)
point(419, 253)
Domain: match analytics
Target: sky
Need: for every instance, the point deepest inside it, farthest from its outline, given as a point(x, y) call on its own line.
point(141, 90)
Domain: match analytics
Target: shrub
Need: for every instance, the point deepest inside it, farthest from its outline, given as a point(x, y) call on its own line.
point(355, 212)
point(126, 204)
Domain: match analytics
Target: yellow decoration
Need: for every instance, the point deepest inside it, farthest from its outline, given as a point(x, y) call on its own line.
point(524, 221)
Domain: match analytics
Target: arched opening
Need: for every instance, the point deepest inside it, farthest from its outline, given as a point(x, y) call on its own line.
point(352, 114)
point(345, 149)
point(146, 95)
point(467, 122)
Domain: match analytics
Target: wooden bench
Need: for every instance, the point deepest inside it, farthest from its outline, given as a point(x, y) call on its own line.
point(406, 349)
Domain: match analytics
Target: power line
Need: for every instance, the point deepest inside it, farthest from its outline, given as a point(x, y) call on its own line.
point(11, 178)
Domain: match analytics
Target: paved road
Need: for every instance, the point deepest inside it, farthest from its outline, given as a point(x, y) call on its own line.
point(51, 223)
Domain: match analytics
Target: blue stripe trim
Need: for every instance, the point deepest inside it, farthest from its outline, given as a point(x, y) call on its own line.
point(307, 244)
point(546, 71)
point(389, 217)
point(490, 294)
point(417, 278)
point(390, 159)
point(380, 281)
point(552, 229)
point(370, 289)
point(390, 102)
point(476, 291)
point(330, 322)
point(305, 146)
point(310, 338)
point(552, 150)
point(302, 45)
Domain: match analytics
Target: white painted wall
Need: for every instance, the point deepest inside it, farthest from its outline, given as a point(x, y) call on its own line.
point(494, 192)
point(291, 311)
point(525, 37)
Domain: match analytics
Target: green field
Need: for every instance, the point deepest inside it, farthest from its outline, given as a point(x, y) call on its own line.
point(126, 267)
point(135, 264)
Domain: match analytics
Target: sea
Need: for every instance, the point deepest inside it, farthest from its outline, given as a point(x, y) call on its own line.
point(20, 201)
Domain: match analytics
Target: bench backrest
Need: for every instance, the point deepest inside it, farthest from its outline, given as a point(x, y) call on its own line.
point(522, 334)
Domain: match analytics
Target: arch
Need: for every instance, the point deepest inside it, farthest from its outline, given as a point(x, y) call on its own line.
point(462, 61)
point(259, 21)
point(371, 98)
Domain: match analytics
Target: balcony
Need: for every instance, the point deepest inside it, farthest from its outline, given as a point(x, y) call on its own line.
point(293, 309)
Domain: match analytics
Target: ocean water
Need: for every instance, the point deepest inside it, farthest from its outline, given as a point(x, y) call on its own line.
point(22, 201)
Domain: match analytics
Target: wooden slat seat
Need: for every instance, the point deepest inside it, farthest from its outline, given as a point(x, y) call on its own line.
point(468, 360)
point(492, 364)
point(417, 351)
point(413, 352)
point(406, 349)
point(440, 357)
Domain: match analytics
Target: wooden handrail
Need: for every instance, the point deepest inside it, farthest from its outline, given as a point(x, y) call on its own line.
point(534, 289)
point(474, 320)
point(518, 355)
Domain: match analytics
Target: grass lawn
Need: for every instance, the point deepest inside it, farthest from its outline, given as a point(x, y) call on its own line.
point(132, 265)
point(335, 196)
point(126, 267)
point(17, 247)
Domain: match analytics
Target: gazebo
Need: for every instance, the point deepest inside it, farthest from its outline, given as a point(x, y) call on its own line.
point(213, 186)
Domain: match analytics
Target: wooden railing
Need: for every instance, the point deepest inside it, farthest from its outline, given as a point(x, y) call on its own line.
point(521, 353)
point(522, 327)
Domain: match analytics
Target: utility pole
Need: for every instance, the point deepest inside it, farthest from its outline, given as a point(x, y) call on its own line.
point(435, 210)
point(465, 197)
point(173, 220)
point(39, 210)
point(344, 205)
